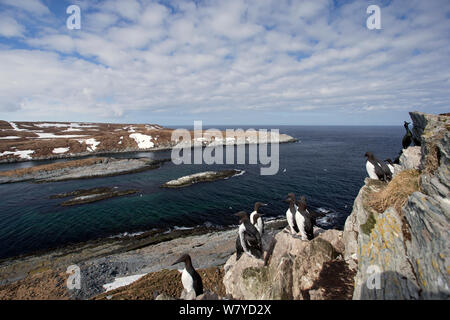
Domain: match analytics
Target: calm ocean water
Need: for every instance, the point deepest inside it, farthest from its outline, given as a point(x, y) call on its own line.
point(327, 166)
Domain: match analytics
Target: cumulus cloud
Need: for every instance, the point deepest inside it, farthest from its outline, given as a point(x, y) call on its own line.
point(207, 59)
point(31, 6)
point(9, 27)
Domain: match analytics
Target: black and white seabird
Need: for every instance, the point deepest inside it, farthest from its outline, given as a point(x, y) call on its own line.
point(390, 165)
point(407, 137)
point(189, 277)
point(249, 239)
point(290, 213)
point(377, 169)
point(309, 218)
point(256, 219)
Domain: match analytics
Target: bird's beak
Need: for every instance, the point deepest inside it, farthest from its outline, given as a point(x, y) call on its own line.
point(178, 261)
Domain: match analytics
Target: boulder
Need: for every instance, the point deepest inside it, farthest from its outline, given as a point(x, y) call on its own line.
point(410, 158)
point(293, 269)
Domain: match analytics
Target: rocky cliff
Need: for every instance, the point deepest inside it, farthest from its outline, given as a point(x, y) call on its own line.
point(394, 244)
point(397, 236)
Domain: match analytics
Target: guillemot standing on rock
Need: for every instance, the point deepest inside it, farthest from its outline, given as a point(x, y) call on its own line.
point(249, 239)
point(290, 213)
point(256, 219)
point(377, 169)
point(390, 165)
point(189, 277)
point(407, 137)
point(309, 218)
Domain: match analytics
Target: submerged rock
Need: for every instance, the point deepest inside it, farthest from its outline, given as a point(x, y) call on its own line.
point(84, 196)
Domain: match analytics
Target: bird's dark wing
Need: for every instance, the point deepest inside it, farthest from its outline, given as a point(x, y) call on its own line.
point(308, 224)
point(198, 284)
point(239, 249)
point(315, 214)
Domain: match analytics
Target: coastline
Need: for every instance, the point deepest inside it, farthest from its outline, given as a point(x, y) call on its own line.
point(125, 255)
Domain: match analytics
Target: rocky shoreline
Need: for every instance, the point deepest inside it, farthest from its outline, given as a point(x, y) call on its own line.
point(102, 261)
point(80, 169)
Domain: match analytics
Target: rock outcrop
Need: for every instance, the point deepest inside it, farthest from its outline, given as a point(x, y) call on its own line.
point(296, 269)
point(206, 176)
point(403, 253)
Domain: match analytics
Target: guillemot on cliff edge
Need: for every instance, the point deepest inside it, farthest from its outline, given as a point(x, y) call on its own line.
point(407, 138)
point(377, 169)
point(249, 239)
point(256, 219)
point(290, 213)
point(308, 218)
point(190, 279)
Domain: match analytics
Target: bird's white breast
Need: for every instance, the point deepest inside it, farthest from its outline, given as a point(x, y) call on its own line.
point(300, 220)
point(186, 279)
point(289, 217)
point(371, 170)
point(391, 168)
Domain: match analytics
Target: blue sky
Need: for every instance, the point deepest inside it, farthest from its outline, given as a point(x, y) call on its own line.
point(228, 62)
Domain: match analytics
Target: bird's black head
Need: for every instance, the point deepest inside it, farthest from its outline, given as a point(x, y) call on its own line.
point(369, 155)
point(406, 124)
point(291, 195)
point(301, 205)
point(389, 161)
point(242, 215)
point(184, 258)
point(258, 205)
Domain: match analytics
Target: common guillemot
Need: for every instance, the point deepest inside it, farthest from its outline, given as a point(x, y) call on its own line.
point(377, 169)
point(308, 217)
point(390, 165)
point(256, 219)
point(290, 213)
point(249, 239)
point(407, 138)
point(190, 279)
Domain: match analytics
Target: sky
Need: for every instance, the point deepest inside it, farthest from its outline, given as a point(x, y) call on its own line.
point(227, 62)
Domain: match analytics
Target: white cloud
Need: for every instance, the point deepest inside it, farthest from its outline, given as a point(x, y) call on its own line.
point(229, 56)
point(9, 27)
point(32, 6)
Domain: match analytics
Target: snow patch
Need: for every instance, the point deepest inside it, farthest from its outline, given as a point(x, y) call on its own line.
point(143, 141)
point(92, 144)
point(46, 135)
point(60, 150)
point(24, 154)
point(122, 281)
point(10, 137)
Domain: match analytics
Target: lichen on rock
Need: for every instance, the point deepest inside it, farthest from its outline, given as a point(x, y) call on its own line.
point(402, 250)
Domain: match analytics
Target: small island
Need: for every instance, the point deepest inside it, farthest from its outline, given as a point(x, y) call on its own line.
point(206, 176)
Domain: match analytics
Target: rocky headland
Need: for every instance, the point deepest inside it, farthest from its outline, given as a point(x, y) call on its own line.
point(24, 141)
point(79, 169)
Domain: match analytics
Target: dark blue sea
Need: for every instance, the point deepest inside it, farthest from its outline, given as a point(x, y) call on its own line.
point(327, 165)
